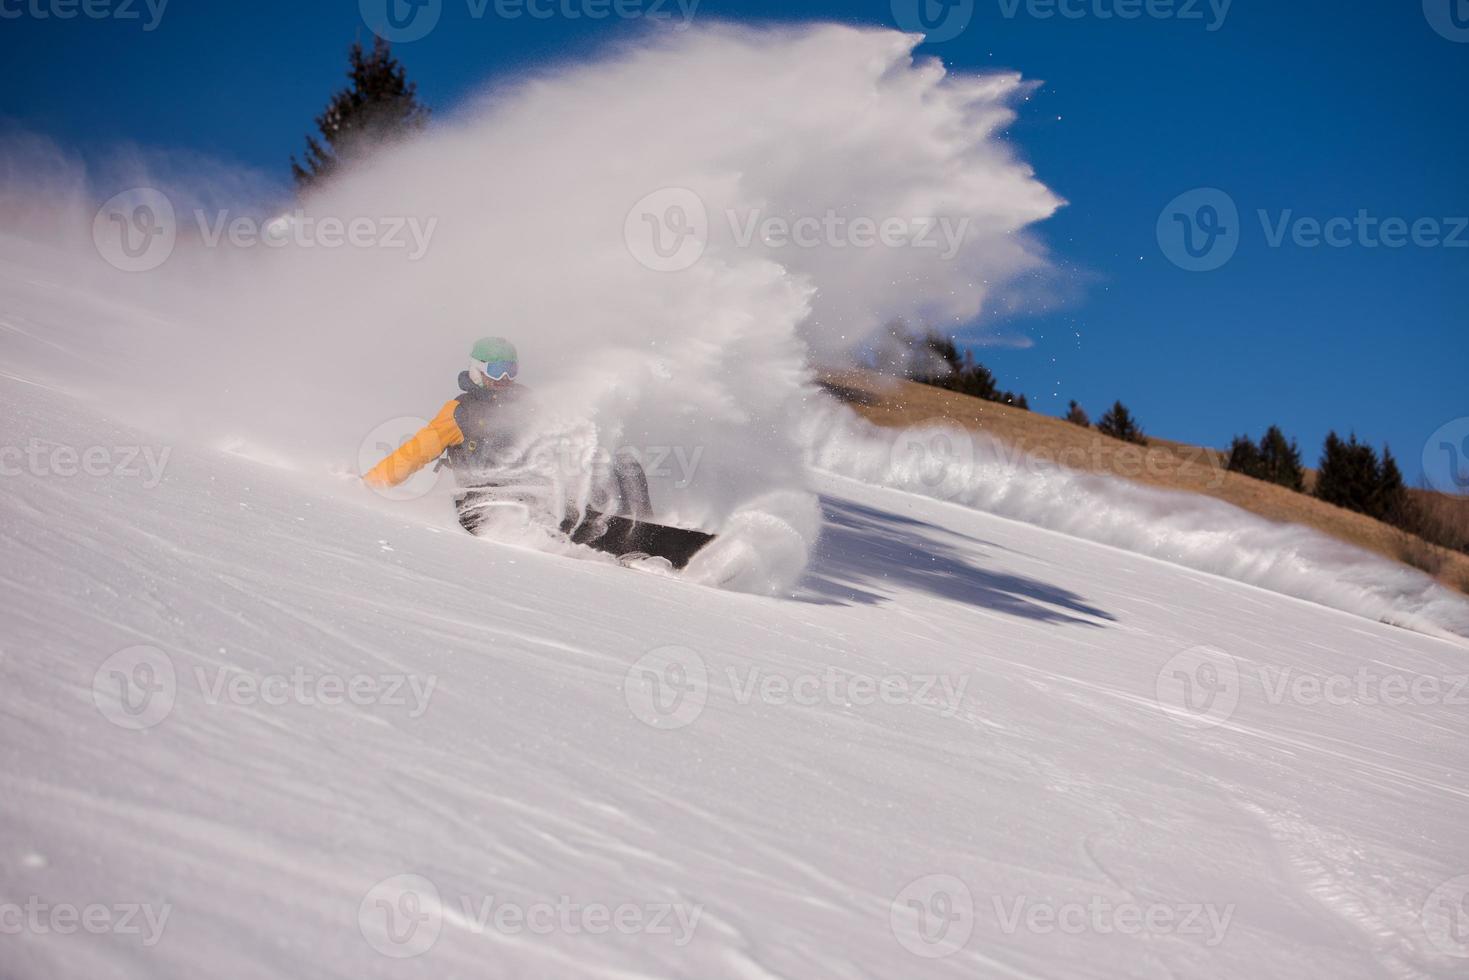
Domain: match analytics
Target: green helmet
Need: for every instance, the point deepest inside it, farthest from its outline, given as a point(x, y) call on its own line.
point(493, 349)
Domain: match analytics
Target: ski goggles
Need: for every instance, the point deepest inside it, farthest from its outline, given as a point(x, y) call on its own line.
point(494, 370)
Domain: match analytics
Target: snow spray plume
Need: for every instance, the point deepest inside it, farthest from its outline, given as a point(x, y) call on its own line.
point(671, 235)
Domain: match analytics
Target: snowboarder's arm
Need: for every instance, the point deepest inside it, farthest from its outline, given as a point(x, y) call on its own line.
point(425, 447)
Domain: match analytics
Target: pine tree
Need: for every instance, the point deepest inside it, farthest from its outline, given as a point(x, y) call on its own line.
point(1350, 475)
point(1280, 460)
point(1364, 474)
point(1390, 495)
point(381, 105)
point(1244, 457)
point(979, 381)
point(1076, 415)
point(1274, 459)
point(1332, 473)
point(1011, 398)
point(1118, 423)
point(934, 359)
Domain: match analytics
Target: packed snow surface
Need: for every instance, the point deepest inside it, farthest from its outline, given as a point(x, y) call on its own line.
point(253, 728)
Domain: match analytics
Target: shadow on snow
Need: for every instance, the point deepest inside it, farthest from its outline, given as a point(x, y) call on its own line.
point(864, 553)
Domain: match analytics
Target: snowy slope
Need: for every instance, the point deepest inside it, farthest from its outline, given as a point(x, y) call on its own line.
point(1027, 799)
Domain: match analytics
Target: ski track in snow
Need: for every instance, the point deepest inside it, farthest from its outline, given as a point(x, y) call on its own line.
point(792, 828)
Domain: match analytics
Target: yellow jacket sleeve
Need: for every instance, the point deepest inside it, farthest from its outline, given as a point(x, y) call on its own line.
point(426, 446)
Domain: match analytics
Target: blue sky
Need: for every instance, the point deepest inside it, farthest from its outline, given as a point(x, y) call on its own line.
point(1305, 109)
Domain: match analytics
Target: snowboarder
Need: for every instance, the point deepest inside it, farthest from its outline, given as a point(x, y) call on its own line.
point(479, 433)
point(474, 429)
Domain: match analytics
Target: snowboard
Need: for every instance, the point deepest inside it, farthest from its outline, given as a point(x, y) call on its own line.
point(622, 536)
point(615, 534)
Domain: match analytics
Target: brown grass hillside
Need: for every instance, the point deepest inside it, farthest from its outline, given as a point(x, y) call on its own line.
point(1161, 463)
